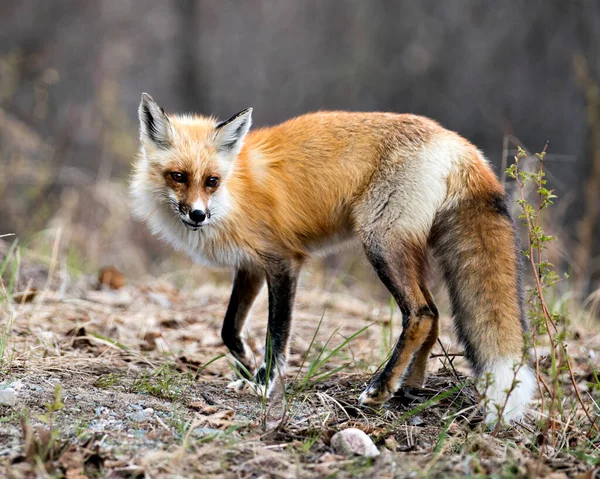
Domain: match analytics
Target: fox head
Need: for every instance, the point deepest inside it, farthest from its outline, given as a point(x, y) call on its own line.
point(184, 164)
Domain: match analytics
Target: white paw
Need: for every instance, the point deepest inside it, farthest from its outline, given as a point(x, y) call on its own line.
point(373, 396)
point(238, 385)
point(377, 392)
point(364, 397)
point(241, 384)
point(259, 389)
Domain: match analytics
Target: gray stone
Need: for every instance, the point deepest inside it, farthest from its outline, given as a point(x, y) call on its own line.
point(353, 441)
point(141, 416)
point(416, 421)
point(200, 432)
point(8, 397)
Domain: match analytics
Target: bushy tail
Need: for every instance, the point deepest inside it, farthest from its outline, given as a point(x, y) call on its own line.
point(473, 238)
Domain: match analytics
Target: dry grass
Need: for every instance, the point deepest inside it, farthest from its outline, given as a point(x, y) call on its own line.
point(141, 373)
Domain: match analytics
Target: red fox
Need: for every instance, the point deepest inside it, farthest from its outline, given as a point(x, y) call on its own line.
point(400, 184)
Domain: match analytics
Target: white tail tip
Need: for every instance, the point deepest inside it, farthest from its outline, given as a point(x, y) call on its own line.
point(507, 377)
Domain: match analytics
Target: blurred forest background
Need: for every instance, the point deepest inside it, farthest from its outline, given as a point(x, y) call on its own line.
point(502, 74)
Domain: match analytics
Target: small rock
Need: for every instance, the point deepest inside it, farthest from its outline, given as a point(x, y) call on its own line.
point(142, 416)
point(111, 297)
point(391, 443)
point(8, 397)
point(353, 441)
point(200, 432)
point(160, 299)
point(16, 385)
point(138, 417)
point(416, 421)
point(328, 457)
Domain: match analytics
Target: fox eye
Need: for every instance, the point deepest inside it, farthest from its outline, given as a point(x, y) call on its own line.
point(212, 182)
point(178, 177)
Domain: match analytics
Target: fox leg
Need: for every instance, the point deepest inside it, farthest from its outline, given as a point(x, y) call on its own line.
point(246, 286)
point(282, 280)
point(400, 265)
point(418, 368)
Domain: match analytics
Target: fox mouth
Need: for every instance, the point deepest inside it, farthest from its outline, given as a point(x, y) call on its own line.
point(192, 226)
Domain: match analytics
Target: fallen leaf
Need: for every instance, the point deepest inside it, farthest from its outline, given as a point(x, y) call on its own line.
point(25, 296)
point(202, 407)
point(73, 464)
point(149, 343)
point(223, 418)
point(111, 277)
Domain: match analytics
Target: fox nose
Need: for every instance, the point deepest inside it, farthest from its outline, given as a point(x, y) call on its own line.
point(197, 216)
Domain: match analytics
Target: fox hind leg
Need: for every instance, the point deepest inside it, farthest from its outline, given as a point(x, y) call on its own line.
point(400, 264)
point(418, 368)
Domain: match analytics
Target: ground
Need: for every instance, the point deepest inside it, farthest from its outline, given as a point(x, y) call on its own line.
point(132, 382)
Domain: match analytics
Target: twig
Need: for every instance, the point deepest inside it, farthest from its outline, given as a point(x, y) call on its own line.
point(451, 361)
point(446, 355)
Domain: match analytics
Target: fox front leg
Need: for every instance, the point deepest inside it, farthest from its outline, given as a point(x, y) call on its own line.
point(247, 283)
point(282, 280)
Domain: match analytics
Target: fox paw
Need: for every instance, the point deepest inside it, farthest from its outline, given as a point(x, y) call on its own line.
point(242, 384)
point(238, 385)
point(376, 393)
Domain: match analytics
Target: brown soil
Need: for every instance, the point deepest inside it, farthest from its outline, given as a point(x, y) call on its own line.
point(140, 373)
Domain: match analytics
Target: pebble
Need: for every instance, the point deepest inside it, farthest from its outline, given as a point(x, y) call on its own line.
point(353, 441)
point(200, 432)
point(141, 416)
point(8, 397)
point(416, 421)
point(160, 299)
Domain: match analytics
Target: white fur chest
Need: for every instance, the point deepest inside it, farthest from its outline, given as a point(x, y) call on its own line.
point(206, 246)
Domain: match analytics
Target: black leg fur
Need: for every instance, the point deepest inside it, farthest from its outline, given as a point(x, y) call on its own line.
point(400, 272)
point(246, 286)
point(282, 280)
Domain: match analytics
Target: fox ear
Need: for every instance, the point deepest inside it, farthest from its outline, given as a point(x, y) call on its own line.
point(155, 126)
point(230, 133)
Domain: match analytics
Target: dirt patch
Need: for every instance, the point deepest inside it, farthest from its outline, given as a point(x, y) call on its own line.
point(131, 382)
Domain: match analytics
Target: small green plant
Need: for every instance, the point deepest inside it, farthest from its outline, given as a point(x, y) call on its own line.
point(164, 383)
point(310, 440)
point(557, 408)
point(4, 362)
point(108, 381)
point(315, 372)
point(4, 299)
point(11, 259)
point(179, 422)
point(42, 445)
point(11, 417)
point(81, 428)
point(52, 407)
